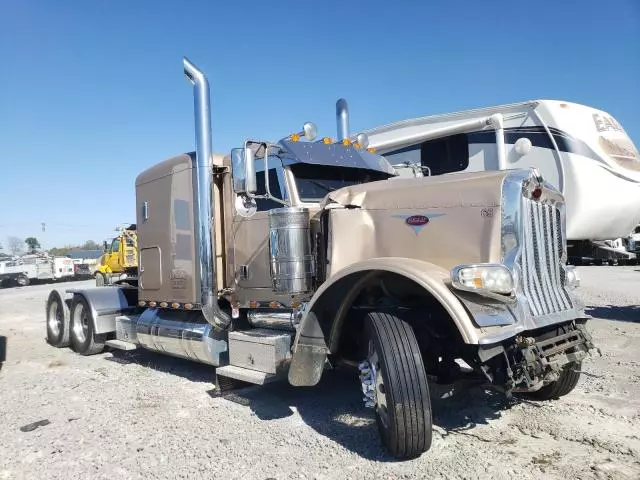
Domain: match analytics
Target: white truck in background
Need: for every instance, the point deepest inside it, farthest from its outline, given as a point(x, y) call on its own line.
point(633, 241)
point(583, 151)
point(22, 271)
point(12, 272)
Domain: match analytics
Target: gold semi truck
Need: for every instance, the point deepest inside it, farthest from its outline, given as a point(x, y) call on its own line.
point(281, 260)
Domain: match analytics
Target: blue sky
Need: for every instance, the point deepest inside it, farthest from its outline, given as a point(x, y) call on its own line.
point(92, 93)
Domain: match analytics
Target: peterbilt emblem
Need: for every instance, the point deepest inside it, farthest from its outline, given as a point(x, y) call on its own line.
point(418, 222)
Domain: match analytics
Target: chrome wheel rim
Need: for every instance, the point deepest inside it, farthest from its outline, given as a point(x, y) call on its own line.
point(80, 323)
point(379, 388)
point(55, 318)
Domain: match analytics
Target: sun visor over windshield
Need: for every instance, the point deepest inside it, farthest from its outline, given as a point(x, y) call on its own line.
point(318, 153)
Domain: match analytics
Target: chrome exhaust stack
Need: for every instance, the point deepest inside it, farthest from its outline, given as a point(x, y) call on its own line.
point(342, 119)
point(202, 199)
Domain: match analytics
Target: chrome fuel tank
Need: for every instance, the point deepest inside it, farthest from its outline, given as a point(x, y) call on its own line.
point(182, 334)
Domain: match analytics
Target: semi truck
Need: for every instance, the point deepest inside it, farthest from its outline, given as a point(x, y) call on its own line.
point(281, 260)
point(583, 151)
point(120, 258)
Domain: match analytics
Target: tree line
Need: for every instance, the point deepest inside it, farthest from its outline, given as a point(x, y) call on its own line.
point(17, 246)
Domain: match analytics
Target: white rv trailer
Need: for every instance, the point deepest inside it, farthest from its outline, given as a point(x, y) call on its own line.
point(583, 151)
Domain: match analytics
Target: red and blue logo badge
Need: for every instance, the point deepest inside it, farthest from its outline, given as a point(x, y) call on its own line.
point(418, 222)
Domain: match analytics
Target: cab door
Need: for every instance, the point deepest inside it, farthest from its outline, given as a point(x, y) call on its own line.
point(113, 258)
point(251, 232)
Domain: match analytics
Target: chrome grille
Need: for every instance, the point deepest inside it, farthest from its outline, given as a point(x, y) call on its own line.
point(540, 261)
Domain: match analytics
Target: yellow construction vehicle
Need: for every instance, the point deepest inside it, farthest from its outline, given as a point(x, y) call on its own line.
point(120, 258)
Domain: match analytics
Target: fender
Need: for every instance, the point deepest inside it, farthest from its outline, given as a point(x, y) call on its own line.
point(317, 335)
point(106, 303)
point(103, 268)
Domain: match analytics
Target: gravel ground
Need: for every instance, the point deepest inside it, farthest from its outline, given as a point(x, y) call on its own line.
point(143, 416)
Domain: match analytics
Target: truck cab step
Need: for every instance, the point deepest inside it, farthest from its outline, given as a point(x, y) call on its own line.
point(121, 345)
point(246, 375)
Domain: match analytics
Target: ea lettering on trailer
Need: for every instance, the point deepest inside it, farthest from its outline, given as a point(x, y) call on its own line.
point(606, 123)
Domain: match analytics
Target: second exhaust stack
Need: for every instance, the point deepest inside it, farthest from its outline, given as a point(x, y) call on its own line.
point(342, 118)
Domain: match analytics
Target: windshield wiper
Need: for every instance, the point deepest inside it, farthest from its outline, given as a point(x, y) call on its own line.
point(322, 185)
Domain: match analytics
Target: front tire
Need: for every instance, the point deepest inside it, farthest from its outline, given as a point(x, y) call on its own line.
point(402, 402)
point(83, 338)
point(567, 381)
point(57, 317)
point(101, 279)
point(22, 280)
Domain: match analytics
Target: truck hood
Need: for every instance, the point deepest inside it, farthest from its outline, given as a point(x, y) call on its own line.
point(478, 189)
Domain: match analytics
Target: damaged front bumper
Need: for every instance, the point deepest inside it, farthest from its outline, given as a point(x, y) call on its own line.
point(528, 362)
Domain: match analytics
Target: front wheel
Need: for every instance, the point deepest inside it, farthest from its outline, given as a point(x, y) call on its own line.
point(395, 384)
point(565, 383)
point(101, 279)
point(22, 280)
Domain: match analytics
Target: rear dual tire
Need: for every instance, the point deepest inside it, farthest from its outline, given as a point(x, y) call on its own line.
point(82, 334)
point(58, 320)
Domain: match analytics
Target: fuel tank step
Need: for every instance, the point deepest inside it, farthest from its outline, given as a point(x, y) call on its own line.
point(246, 375)
point(121, 345)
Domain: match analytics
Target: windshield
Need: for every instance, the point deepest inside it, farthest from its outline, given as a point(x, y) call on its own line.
point(314, 182)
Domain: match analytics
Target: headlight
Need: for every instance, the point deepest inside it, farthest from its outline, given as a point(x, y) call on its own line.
point(492, 280)
point(572, 277)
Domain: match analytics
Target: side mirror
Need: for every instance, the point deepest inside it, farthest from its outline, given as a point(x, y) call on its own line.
point(104, 246)
point(250, 180)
